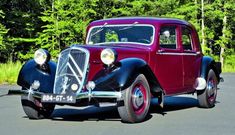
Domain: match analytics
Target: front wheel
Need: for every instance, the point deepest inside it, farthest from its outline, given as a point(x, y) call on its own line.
point(34, 109)
point(207, 97)
point(136, 100)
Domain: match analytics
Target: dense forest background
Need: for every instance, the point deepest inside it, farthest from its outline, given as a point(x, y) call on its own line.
point(26, 25)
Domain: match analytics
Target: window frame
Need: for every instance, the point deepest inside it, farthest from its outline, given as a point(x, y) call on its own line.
point(120, 25)
point(177, 30)
point(193, 50)
point(190, 35)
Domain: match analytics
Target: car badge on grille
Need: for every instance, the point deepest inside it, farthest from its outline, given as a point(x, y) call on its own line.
point(65, 84)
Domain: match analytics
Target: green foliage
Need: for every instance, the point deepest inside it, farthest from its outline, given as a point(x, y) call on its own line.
point(22, 22)
point(3, 32)
point(28, 25)
point(65, 23)
point(111, 36)
point(9, 72)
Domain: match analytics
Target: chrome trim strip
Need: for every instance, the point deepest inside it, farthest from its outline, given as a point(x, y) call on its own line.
point(79, 70)
point(79, 81)
point(35, 94)
point(94, 94)
point(86, 62)
point(57, 69)
point(62, 66)
point(99, 94)
point(189, 54)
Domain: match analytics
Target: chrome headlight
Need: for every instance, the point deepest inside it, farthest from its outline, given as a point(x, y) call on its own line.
point(41, 56)
point(108, 56)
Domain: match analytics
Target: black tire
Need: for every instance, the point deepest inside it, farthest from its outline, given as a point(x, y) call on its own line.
point(136, 101)
point(207, 97)
point(34, 109)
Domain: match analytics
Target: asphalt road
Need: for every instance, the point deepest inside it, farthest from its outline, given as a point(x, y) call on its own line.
point(180, 116)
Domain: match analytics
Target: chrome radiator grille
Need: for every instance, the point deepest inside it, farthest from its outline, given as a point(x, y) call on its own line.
point(71, 70)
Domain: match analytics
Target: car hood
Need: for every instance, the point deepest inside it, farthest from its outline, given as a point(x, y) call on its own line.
point(123, 51)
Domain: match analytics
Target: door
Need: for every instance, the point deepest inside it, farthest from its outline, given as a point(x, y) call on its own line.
point(191, 58)
point(169, 63)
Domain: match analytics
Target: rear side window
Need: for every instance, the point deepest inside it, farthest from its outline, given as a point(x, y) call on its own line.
point(168, 37)
point(186, 39)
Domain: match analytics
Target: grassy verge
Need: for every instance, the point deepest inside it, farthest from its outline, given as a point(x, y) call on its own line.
point(228, 69)
point(9, 72)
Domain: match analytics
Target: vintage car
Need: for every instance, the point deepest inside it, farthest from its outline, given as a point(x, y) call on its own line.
point(125, 61)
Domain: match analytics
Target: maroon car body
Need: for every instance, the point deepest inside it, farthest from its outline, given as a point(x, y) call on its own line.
point(126, 61)
point(175, 69)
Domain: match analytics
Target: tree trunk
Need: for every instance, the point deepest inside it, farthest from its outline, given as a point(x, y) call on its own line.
point(222, 47)
point(52, 9)
point(203, 22)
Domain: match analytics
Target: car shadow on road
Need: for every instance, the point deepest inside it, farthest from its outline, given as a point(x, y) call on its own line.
point(173, 104)
point(93, 113)
point(90, 113)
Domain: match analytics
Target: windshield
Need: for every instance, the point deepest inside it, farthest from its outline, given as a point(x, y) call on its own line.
point(132, 33)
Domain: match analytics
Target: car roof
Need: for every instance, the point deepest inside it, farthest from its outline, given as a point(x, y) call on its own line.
point(141, 20)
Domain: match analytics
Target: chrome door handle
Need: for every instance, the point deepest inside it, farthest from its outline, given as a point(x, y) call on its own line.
point(161, 51)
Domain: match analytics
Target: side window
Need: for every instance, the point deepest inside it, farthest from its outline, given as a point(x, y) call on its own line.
point(186, 39)
point(168, 37)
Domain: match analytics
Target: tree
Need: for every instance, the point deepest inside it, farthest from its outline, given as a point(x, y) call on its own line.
point(22, 24)
point(219, 20)
point(3, 32)
point(65, 24)
point(224, 40)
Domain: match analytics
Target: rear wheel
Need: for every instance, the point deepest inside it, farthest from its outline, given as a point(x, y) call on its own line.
point(34, 109)
point(207, 97)
point(136, 100)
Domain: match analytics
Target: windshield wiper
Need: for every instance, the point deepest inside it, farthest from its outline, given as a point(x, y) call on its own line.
point(128, 27)
point(99, 30)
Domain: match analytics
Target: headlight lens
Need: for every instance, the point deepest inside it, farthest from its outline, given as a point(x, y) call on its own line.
point(108, 56)
point(41, 56)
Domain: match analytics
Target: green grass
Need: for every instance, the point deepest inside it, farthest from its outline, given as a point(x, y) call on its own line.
point(228, 68)
point(9, 72)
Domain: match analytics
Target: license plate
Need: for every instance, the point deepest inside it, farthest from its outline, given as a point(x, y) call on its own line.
point(58, 98)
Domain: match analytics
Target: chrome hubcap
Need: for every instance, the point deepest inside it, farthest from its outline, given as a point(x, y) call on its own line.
point(211, 87)
point(138, 98)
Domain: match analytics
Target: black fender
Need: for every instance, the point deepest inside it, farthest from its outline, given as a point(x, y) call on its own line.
point(209, 63)
point(31, 71)
point(124, 74)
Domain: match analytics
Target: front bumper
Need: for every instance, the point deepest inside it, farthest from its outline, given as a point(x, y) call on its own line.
point(84, 95)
